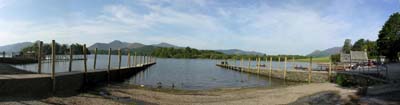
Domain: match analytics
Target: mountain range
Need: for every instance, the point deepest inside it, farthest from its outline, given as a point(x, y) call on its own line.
point(119, 44)
point(237, 51)
point(326, 52)
point(17, 47)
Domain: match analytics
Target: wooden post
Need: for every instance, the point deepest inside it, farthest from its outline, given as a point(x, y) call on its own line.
point(95, 59)
point(140, 60)
point(119, 58)
point(4, 54)
point(258, 65)
point(70, 58)
point(248, 68)
point(266, 62)
point(84, 58)
point(284, 71)
point(279, 62)
point(53, 64)
point(330, 68)
point(241, 64)
point(144, 59)
point(109, 65)
point(134, 60)
point(293, 63)
point(270, 66)
point(309, 70)
point(129, 58)
point(40, 57)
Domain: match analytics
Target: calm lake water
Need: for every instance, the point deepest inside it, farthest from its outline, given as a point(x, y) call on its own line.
point(185, 74)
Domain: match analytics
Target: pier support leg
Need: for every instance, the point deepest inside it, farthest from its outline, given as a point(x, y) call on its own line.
point(109, 65)
point(309, 71)
point(53, 64)
point(270, 66)
point(284, 71)
point(129, 58)
point(95, 59)
point(40, 57)
point(70, 58)
point(119, 58)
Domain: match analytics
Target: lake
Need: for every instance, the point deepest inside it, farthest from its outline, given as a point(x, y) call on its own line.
point(184, 74)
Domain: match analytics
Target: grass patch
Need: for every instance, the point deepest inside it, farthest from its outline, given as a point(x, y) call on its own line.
point(318, 59)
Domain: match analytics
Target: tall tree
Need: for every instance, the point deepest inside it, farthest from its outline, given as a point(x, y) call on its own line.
point(389, 38)
point(359, 45)
point(347, 46)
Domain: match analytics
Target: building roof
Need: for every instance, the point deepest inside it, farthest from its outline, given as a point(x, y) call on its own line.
point(358, 55)
point(354, 56)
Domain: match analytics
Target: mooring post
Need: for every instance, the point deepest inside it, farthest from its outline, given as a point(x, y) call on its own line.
point(70, 58)
point(140, 60)
point(249, 66)
point(270, 66)
point(279, 62)
point(119, 58)
point(84, 58)
point(53, 64)
point(129, 58)
point(4, 54)
point(309, 70)
point(40, 57)
point(284, 71)
point(266, 62)
point(258, 65)
point(144, 59)
point(134, 60)
point(241, 64)
point(95, 59)
point(330, 69)
point(293, 63)
point(109, 64)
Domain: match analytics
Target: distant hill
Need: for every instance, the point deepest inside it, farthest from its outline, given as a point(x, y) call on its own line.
point(237, 51)
point(15, 47)
point(163, 44)
point(118, 44)
point(327, 52)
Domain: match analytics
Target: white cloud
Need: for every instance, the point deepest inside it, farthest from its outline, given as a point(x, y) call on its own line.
point(289, 29)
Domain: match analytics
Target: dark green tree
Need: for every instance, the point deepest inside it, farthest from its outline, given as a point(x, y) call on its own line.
point(389, 38)
point(347, 46)
point(359, 45)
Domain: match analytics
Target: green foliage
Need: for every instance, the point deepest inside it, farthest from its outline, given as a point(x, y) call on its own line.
point(368, 45)
point(389, 38)
point(186, 53)
point(358, 45)
point(335, 58)
point(347, 46)
point(340, 80)
point(60, 49)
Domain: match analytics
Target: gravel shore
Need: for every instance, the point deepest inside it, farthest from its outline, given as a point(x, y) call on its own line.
point(115, 95)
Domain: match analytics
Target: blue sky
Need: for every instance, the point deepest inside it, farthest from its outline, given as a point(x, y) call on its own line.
point(268, 26)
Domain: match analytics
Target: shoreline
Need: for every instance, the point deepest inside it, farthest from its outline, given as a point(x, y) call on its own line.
point(251, 96)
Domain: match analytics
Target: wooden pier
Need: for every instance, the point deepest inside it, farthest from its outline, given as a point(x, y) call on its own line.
point(288, 75)
point(71, 82)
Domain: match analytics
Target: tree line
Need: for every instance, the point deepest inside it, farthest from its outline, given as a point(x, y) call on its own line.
point(387, 44)
point(60, 48)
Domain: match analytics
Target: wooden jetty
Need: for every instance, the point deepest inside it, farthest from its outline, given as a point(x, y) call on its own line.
point(282, 73)
point(68, 83)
